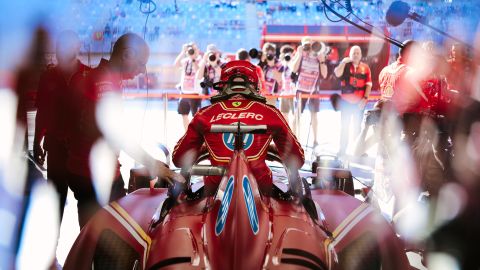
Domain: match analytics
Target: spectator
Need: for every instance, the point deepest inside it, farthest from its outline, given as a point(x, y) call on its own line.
point(209, 70)
point(271, 70)
point(188, 61)
point(286, 103)
point(310, 68)
point(356, 84)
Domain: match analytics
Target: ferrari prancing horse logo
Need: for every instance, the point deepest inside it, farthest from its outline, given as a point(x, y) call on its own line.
point(236, 103)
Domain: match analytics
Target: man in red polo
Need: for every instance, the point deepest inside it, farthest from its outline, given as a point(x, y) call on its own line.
point(51, 120)
point(238, 100)
point(400, 84)
point(356, 84)
point(93, 94)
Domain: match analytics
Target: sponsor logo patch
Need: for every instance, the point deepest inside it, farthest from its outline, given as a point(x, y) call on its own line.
point(250, 204)
point(224, 206)
point(229, 140)
point(236, 103)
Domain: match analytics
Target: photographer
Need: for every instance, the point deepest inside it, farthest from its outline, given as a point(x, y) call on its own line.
point(356, 84)
point(209, 70)
point(308, 69)
point(188, 61)
point(271, 71)
point(286, 103)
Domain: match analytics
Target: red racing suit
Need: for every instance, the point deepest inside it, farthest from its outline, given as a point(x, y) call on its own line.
point(221, 146)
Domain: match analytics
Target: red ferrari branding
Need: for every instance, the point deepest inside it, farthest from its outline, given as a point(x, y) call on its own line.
point(236, 116)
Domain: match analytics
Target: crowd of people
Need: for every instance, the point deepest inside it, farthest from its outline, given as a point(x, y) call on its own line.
point(296, 76)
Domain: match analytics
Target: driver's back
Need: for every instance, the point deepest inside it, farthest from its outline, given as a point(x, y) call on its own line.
point(220, 146)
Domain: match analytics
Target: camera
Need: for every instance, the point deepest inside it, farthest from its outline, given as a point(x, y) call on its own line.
point(287, 57)
point(212, 57)
point(270, 57)
point(373, 117)
point(294, 77)
point(190, 48)
point(206, 83)
point(255, 54)
point(315, 46)
point(328, 50)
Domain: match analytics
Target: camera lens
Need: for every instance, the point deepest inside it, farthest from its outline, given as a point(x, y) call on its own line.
point(306, 47)
point(288, 57)
point(191, 51)
point(212, 57)
point(316, 46)
point(270, 57)
point(253, 53)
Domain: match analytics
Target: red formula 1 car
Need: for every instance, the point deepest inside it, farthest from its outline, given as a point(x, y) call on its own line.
point(237, 227)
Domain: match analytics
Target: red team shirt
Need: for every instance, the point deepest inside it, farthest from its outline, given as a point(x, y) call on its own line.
point(397, 87)
point(220, 146)
point(359, 77)
point(53, 92)
point(84, 131)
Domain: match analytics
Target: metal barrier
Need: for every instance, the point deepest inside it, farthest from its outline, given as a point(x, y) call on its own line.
point(165, 96)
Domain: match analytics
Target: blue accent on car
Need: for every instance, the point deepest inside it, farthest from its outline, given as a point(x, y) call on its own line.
point(229, 140)
point(250, 204)
point(224, 206)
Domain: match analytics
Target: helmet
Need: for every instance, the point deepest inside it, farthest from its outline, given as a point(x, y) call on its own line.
point(239, 69)
point(238, 77)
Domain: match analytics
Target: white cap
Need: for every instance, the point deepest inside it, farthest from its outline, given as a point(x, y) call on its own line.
point(306, 40)
point(212, 48)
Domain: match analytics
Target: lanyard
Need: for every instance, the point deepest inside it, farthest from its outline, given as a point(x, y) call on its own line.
point(189, 68)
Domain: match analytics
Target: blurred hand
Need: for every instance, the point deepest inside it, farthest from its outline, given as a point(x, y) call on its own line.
point(300, 49)
point(184, 48)
point(362, 103)
point(38, 153)
point(164, 172)
point(197, 51)
point(346, 60)
point(263, 58)
point(205, 58)
point(321, 57)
